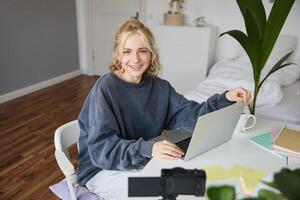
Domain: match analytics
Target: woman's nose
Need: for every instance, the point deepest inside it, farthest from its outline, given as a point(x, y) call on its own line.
point(135, 57)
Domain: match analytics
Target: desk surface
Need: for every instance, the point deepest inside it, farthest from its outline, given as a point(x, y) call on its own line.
point(239, 150)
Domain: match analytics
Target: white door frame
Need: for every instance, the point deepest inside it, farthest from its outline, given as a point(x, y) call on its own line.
point(84, 14)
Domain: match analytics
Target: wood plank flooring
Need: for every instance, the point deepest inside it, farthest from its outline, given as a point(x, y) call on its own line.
point(27, 125)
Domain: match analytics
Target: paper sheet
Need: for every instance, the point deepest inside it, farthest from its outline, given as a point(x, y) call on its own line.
point(249, 178)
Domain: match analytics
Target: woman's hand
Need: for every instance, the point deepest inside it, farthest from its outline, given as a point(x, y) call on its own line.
point(166, 150)
point(239, 94)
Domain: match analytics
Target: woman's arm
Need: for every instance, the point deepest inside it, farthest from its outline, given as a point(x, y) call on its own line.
point(184, 113)
point(106, 148)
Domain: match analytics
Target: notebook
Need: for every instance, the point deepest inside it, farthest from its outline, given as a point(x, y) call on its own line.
point(289, 141)
point(211, 130)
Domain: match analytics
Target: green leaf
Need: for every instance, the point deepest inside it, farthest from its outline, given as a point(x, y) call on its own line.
point(271, 184)
point(242, 38)
point(288, 183)
point(254, 41)
point(254, 15)
point(255, 20)
point(297, 172)
point(276, 19)
point(269, 195)
point(277, 67)
point(221, 193)
point(251, 27)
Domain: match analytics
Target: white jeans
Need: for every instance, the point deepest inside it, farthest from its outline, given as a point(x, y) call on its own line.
point(110, 184)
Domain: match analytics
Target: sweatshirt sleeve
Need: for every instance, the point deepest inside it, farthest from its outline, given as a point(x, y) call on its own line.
point(184, 113)
point(107, 149)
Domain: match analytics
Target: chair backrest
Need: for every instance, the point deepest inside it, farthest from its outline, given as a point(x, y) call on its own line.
point(64, 137)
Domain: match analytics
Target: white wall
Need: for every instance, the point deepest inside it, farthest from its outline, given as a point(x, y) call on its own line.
point(226, 15)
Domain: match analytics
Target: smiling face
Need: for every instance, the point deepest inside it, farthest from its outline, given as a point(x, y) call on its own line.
point(135, 58)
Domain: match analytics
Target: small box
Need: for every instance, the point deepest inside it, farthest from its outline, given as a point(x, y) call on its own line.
point(174, 19)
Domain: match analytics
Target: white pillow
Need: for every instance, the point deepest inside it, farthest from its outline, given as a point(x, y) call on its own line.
point(283, 45)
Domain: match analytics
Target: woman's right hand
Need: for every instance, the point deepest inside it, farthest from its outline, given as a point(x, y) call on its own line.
point(166, 150)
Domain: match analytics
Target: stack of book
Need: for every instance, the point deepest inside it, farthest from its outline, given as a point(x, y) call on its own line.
point(287, 142)
point(283, 141)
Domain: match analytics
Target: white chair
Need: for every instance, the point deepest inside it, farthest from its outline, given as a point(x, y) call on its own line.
point(64, 137)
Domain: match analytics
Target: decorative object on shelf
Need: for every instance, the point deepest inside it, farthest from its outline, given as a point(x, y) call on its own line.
point(261, 36)
point(174, 16)
point(176, 6)
point(200, 21)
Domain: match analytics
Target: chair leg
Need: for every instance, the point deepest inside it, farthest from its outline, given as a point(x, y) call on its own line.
point(72, 190)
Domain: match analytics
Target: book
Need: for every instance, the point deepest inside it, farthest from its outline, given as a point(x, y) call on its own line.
point(266, 140)
point(288, 141)
point(285, 153)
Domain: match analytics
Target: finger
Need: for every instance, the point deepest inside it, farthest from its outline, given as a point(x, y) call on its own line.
point(171, 153)
point(249, 98)
point(168, 157)
point(239, 99)
point(170, 145)
point(244, 95)
point(245, 98)
point(173, 147)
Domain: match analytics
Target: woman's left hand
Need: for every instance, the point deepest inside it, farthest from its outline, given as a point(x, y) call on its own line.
point(239, 94)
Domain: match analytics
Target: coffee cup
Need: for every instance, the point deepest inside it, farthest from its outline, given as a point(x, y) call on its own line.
point(246, 122)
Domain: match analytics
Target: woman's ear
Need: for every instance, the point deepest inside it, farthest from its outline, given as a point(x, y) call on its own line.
point(118, 63)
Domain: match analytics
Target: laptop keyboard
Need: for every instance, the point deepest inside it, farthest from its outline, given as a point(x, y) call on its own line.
point(184, 144)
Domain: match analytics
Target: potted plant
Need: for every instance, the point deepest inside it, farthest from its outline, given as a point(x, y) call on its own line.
point(286, 184)
point(261, 36)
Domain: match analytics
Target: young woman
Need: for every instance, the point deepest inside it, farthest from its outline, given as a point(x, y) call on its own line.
point(131, 105)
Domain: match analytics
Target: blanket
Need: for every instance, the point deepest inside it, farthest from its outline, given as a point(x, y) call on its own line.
point(229, 74)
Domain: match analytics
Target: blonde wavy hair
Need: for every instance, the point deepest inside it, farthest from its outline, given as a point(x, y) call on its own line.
point(130, 27)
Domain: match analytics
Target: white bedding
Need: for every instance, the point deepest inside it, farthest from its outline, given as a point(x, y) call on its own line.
point(288, 110)
point(229, 74)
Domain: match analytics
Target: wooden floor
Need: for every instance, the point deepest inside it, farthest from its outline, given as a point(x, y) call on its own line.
point(27, 126)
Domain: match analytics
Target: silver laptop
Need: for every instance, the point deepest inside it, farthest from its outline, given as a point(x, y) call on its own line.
point(211, 130)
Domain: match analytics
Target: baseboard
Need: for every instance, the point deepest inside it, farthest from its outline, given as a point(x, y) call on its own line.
point(18, 93)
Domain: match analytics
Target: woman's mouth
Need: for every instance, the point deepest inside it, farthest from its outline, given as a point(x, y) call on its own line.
point(135, 67)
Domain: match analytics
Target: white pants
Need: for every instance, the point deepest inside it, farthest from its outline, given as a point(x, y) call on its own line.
point(110, 184)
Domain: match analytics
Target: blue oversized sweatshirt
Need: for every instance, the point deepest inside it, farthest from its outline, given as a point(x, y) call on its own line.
point(118, 118)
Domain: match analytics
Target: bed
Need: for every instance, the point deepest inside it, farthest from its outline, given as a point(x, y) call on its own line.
point(288, 110)
point(279, 97)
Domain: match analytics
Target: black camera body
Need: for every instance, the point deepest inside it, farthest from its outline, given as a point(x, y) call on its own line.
point(181, 181)
point(171, 183)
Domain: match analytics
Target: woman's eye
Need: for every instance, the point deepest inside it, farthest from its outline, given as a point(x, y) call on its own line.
point(144, 51)
point(126, 52)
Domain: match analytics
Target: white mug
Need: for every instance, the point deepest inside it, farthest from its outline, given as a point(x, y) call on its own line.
point(246, 122)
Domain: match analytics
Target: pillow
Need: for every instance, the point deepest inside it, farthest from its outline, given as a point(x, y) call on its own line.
point(283, 45)
point(61, 190)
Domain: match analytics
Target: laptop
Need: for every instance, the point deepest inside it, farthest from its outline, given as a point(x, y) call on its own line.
point(211, 130)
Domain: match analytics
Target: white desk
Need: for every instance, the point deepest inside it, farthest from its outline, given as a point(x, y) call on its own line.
point(239, 150)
